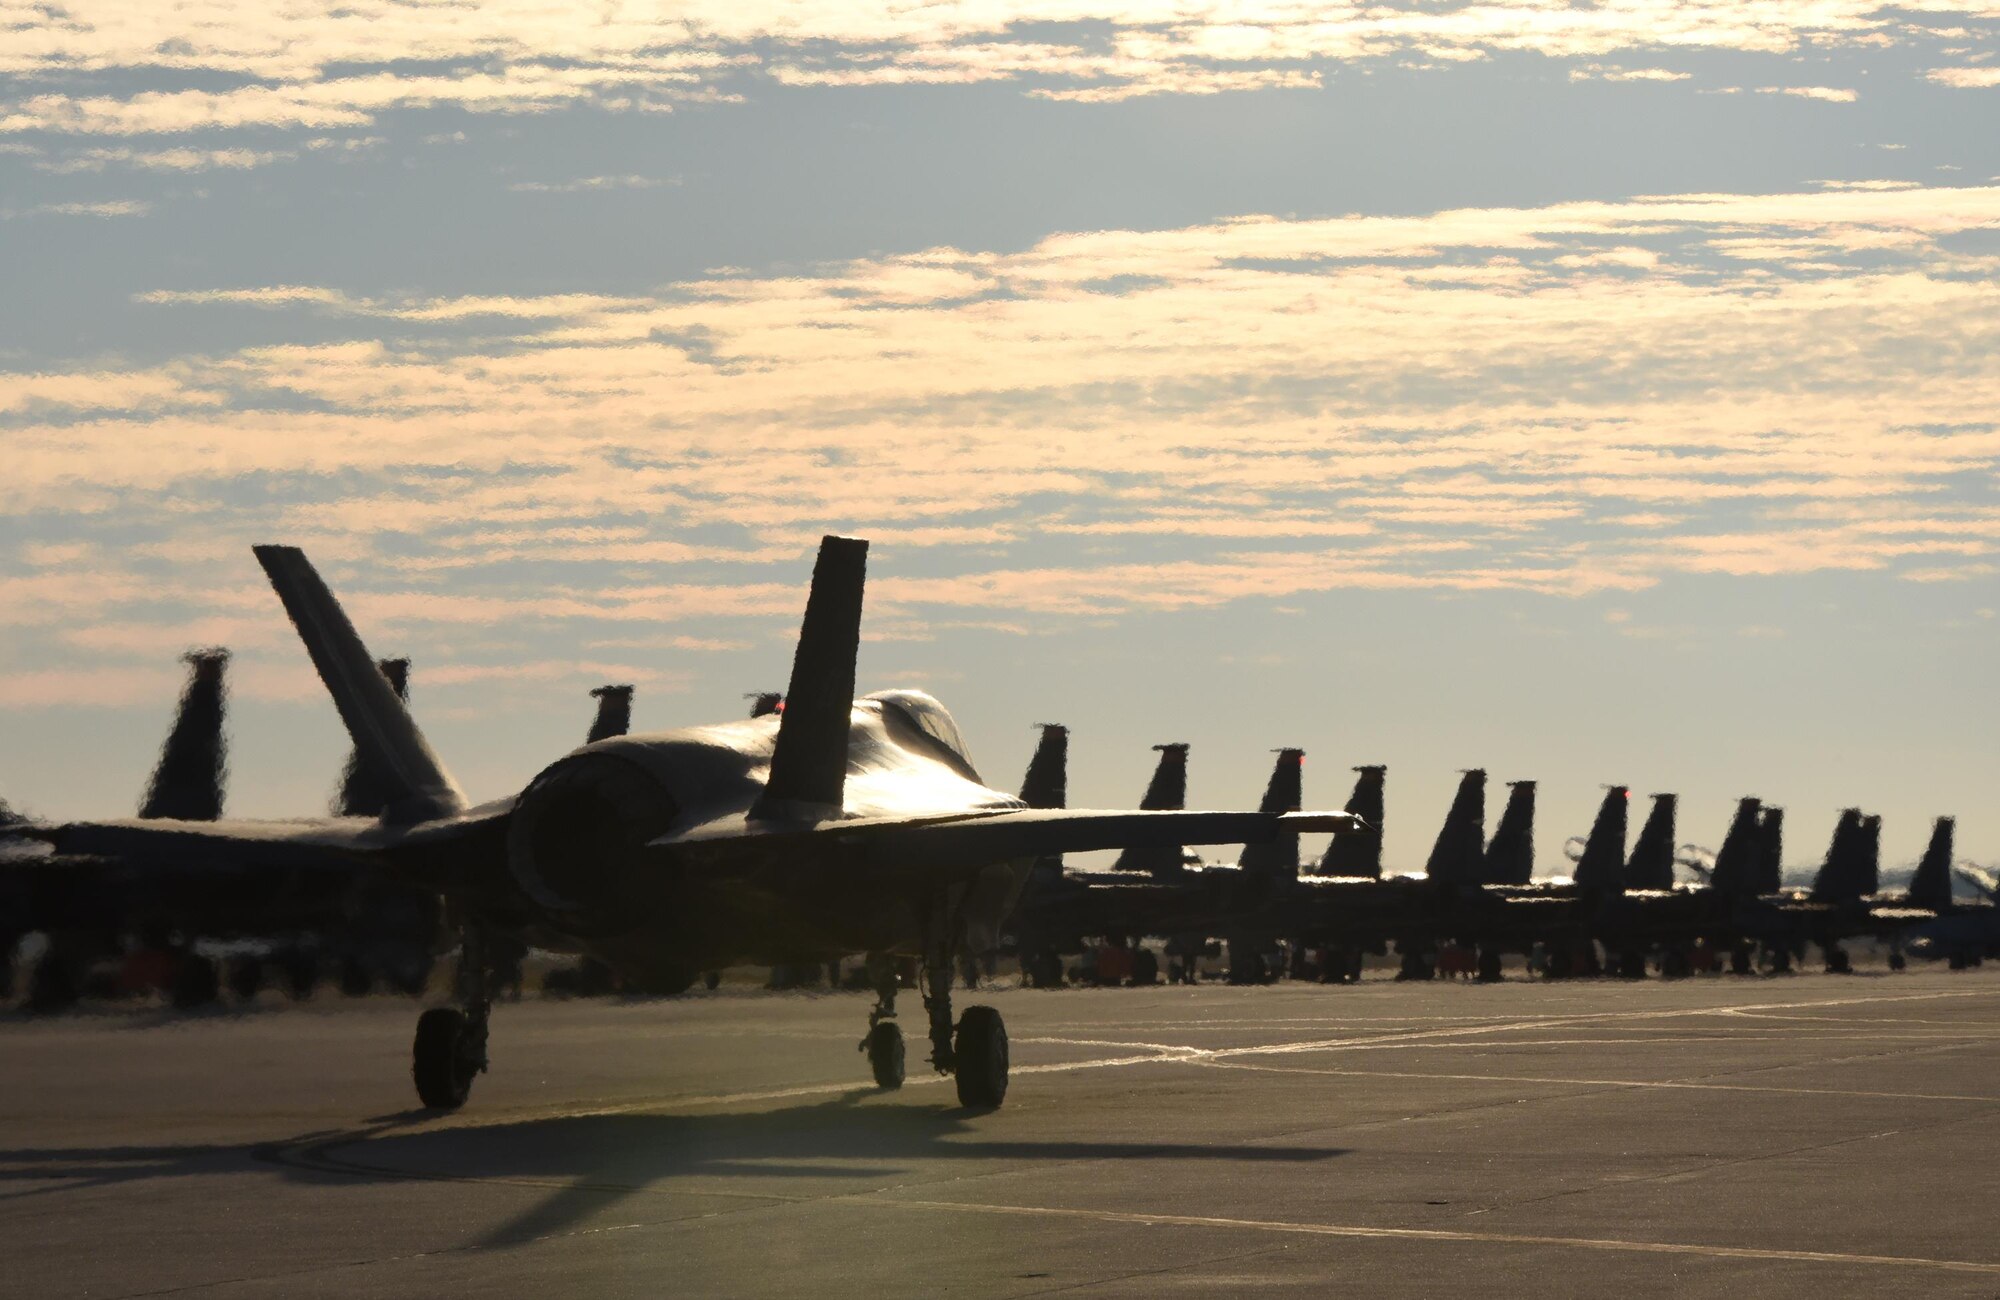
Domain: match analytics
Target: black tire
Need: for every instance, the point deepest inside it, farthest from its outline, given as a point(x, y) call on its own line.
point(711, 980)
point(1739, 960)
point(1674, 965)
point(301, 976)
point(1561, 964)
point(981, 1052)
point(246, 978)
point(196, 982)
point(1145, 967)
point(439, 1062)
point(885, 1055)
point(1489, 966)
point(52, 986)
point(355, 981)
point(1839, 963)
point(1897, 961)
point(1632, 964)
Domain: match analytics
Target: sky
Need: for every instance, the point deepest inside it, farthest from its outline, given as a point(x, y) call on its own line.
point(1594, 393)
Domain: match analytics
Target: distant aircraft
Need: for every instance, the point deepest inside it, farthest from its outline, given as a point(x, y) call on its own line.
point(834, 826)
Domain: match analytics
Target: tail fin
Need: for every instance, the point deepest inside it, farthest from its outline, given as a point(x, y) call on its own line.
point(380, 726)
point(1651, 865)
point(1166, 792)
point(1461, 842)
point(1931, 886)
point(364, 791)
point(1279, 856)
point(1839, 878)
point(614, 713)
point(1735, 870)
point(1770, 875)
point(809, 764)
point(1510, 857)
point(187, 784)
point(1868, 868)
point(1360, 853)
point(1602, 866)
point(765, 703)
point(1047, 782)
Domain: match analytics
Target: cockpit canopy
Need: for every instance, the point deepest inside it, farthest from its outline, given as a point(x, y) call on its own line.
point(921, 710)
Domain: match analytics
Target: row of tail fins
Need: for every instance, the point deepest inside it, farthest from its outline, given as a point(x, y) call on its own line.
point(1748, 862)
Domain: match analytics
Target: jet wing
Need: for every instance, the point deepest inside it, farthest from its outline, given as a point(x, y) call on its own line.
point(335, 843)
point(975, 839)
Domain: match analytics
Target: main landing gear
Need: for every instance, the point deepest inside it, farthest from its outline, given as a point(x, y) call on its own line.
point(973, 1051)
point(451, 1041)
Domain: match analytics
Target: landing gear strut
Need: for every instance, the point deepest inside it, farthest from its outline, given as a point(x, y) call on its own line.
point(450, 1048)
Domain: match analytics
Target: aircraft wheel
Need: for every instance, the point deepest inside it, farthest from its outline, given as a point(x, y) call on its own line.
point(355, 981)
point(711, 980)
point(51, 986)
point(1739, 959)
point(981, 1050)
point(1839, 963)
point(1897, 961)
point(1632, 964)
point(196, 983)
point(885, 1055)
point(1489, 966)
point(301, 976)
point(1561, 964)
point(1674, 965)
point(246, 978)
point(1145, 967)
point(439, 1061)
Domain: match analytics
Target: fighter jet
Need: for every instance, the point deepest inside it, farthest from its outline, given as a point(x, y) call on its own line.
point(835, 826)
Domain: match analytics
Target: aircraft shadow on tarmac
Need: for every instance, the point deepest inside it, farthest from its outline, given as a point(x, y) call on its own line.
point(591, 1161)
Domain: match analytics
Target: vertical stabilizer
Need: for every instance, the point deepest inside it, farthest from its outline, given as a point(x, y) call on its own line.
point(1285, 793)
point(614, 713)
point(1839, 878)
point(1166, 792)
point(381, 728)
point(364, 791)
point(1360, 853)
point(1931, 886)
point(809, 763)
point(1047, 782)
point(187, 784)
point(1601, 869)
point(1770, 876)
point(1735, 870)
point(1868, 866)
point(1458, 856)
point(1651, 865)
point(1510, 857)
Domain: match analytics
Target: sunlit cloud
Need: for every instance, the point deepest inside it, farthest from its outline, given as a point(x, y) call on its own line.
point(326, 66)
point(1572, 399)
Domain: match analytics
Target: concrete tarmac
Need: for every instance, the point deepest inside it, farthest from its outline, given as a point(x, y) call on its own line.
point(1802, 1136)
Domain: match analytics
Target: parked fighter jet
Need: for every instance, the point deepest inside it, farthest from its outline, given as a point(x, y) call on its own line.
point(835, 826)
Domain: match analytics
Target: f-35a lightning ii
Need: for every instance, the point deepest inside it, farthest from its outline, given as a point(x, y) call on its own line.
point(835, 826)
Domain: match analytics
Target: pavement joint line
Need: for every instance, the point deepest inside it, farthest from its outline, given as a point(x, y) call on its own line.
point(1439, 1235)
point(1609, 1083)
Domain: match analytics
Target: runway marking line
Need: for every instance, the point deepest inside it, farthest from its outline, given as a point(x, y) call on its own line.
point(1445, 1235)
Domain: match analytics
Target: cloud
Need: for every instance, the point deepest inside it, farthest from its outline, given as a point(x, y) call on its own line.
point(1578, 398)
point(1829, 94)
point(327, 65)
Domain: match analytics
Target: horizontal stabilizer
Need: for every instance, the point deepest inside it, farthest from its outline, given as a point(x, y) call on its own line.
point(381, 728)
